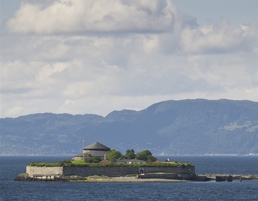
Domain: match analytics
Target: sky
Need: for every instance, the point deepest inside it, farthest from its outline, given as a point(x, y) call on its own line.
point(97, 56)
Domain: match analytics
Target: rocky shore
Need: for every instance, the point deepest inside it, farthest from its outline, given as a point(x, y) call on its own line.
point(138, 178)
point(225, 177)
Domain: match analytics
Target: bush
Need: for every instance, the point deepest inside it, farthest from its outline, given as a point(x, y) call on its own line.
point(83, 164)
point(43, 164)
point(93, 159)
point(65, 163)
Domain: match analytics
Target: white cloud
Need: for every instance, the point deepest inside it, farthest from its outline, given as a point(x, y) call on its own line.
point(98, 56)
point(220, 39)
point(75, 16)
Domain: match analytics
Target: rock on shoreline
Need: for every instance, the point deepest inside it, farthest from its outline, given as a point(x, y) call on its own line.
point(138, 178)
point(234, 176)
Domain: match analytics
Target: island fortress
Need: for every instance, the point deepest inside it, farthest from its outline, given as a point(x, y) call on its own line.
point(120, 168)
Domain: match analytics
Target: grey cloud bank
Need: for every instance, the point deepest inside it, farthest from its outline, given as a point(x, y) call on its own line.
point(97, 56)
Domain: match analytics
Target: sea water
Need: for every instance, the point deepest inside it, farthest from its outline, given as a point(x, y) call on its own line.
point(236, 190)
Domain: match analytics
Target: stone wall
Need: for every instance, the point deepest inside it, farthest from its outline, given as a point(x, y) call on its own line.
point(108, 171)
point(44, 171)
point(177, 176)
point(169, 169)
point(122, 171)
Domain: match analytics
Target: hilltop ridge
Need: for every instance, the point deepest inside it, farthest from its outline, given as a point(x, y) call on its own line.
point(171, 127)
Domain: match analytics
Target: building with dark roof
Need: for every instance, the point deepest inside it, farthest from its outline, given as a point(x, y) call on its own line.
point(96, 149)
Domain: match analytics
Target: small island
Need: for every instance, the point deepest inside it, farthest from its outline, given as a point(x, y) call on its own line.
point(98, 163)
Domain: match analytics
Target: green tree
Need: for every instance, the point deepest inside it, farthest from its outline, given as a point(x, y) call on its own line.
point(143, 155)
point(151, 159)
point(112, 155)
point(130, 154)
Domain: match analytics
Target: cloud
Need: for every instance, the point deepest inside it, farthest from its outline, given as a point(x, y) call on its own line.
point(220, 38)
point(79, 16)
point(98, 56)
point(162, 26)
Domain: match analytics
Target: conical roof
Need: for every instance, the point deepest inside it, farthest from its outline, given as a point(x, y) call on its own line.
point(96, 146)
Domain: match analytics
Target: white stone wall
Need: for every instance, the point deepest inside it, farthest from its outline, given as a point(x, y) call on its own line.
point(44, 171)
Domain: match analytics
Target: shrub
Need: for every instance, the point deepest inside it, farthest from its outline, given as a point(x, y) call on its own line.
point(93, 159)
point(65, 163)
point(83, 164)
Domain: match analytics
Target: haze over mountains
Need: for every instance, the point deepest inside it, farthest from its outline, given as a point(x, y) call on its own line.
point(166, 128)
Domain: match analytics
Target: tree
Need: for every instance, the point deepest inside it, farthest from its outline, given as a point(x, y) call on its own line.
point(151, 159)
point(143, 155)
point(130, 154)
point(112, 155)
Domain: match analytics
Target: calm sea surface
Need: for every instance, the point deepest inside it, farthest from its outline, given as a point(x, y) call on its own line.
point(246, 190)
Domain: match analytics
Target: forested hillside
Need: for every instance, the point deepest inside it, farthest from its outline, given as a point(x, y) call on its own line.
point(170, 127)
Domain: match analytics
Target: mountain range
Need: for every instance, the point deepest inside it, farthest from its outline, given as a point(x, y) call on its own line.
point(184, 127)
